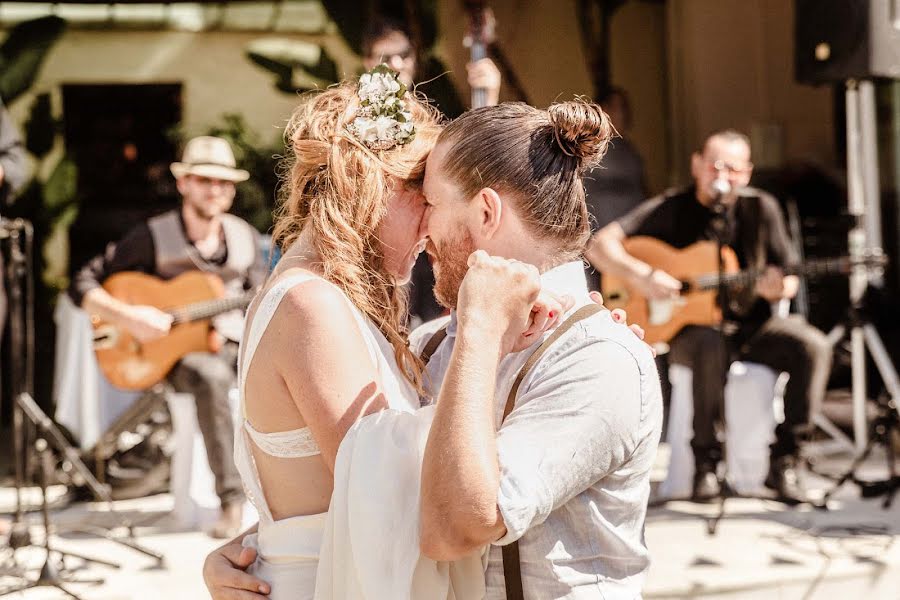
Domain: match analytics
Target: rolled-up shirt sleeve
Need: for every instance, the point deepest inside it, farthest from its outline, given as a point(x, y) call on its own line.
point(574, 423)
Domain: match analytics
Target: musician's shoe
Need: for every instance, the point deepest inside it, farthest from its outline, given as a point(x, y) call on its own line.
point(229, 523)
point(783, 479)
point(706, 483)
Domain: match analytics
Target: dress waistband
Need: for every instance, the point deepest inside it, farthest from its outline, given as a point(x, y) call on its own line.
point(290, 539)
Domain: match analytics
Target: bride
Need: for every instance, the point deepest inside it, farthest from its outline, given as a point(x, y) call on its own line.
point(325, 341)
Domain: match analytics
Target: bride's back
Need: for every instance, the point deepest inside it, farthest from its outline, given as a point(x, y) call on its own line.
point(303, 356)
point(323, 350)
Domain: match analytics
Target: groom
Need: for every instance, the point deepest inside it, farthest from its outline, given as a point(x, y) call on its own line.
point(566, 476)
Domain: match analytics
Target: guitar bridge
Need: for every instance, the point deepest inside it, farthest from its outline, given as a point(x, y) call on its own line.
point(105, 337)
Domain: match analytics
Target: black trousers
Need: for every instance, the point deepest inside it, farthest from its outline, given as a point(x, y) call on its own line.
point(785, 344)
point(209, 377)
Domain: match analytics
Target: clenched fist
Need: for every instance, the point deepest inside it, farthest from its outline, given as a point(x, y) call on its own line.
point(497, 296)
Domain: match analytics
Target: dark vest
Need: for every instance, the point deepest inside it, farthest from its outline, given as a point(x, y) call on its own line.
point(175, 255)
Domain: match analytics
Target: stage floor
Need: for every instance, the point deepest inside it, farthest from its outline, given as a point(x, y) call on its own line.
point(760, 550)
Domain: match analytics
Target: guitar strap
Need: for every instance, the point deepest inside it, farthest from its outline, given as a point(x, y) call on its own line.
point(760, 249)
point(512, 568)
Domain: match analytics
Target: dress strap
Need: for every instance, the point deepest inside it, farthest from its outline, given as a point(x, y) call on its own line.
point(265, 310)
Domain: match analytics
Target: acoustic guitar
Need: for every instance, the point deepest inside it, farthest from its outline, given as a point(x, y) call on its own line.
point(192, 298)
point(696, 266)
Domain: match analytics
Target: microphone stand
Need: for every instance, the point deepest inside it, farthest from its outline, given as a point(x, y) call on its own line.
point(19, 234)
point(719, 224)
point(28, 417)
point(720, 231)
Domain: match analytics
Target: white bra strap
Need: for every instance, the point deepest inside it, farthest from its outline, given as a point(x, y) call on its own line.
point(297, 443)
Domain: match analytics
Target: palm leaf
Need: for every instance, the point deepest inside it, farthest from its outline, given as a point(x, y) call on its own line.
point(22, 53)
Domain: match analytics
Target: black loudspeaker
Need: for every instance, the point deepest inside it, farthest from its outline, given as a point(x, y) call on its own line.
point(838, 40)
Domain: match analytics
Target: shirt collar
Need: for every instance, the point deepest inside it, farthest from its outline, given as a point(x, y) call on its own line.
point(566, 279)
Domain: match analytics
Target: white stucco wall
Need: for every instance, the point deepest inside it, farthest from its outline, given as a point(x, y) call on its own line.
point(211, 66)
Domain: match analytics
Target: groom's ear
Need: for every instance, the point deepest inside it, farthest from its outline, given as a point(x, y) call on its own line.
point(490, 211)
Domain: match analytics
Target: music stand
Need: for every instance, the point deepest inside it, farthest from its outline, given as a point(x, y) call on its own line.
point(50, 574)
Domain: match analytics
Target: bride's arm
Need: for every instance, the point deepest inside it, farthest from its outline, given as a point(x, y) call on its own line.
point(324, 362)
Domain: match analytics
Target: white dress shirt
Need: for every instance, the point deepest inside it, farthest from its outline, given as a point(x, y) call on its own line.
point(575, 454)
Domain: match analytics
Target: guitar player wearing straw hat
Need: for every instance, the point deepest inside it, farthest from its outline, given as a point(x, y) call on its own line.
point(198, 236)
point(753, 227)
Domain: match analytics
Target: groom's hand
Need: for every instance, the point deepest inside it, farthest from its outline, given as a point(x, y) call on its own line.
point(496, 298)
point(223, 573)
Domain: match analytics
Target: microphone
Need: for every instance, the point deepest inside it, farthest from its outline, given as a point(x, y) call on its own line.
point(719, 189)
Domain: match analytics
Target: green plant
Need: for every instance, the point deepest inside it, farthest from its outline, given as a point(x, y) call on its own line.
point(256, 196)
point(44, 203)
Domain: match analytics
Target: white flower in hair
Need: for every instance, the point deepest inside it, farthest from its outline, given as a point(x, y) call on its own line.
point(377, 87)
point(382, 121)
point(385, 127)
point(365, 130)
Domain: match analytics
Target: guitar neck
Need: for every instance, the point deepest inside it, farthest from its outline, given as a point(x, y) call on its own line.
point(199, 311)
point(479, 95)
point(812, 268)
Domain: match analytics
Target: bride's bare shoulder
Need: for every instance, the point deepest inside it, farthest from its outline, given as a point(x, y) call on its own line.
point(313, 312)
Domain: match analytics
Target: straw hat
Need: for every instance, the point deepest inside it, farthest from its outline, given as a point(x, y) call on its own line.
point(211, 157)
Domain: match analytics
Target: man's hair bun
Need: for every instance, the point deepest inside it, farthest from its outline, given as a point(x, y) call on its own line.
point(582, 130)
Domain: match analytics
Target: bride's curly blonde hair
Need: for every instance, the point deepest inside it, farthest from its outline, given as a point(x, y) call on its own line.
point(340, 189)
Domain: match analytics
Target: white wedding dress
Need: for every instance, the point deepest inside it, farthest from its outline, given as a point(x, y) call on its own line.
point(288, 549)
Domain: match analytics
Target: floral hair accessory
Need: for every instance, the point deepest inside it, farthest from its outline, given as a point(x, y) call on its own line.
point(382, 120)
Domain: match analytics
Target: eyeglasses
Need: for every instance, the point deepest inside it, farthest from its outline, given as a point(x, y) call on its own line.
point(731, 169)
point(404, 55)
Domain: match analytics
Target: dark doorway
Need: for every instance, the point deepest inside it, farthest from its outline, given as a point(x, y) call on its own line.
point(121, 138)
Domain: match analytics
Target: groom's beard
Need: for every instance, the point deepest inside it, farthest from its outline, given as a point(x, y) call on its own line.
point(451, 261)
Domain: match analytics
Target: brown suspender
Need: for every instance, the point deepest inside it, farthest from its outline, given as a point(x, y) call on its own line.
point(512, 569)
point(431, 347)
point(582, 313)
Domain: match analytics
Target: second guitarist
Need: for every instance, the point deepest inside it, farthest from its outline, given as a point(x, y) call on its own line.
point(753, 226)
point(200, 235)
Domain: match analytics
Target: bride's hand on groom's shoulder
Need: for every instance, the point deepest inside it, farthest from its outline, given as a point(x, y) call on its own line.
point(225, 576)
point(620, 316)
point(546, 313)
